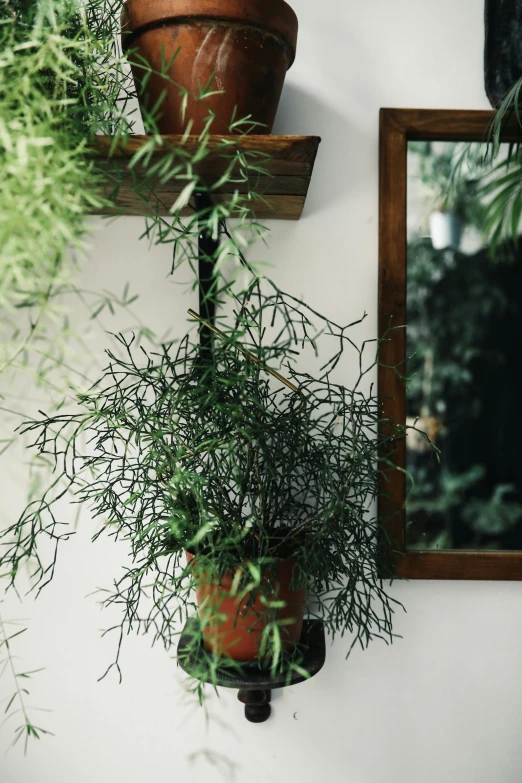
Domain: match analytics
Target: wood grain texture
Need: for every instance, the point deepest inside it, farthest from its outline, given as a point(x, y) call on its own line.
point(272, 207)
point(446, 124)
point(288, 161)
point(397, 126)
point(392, 305)
point(451, 564)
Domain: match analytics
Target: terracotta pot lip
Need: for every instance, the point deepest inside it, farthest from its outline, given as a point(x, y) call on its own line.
point(192, 556)
point(277, 16)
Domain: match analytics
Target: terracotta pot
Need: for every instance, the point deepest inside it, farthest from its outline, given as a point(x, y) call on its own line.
point(233, 625)
point(247, 44)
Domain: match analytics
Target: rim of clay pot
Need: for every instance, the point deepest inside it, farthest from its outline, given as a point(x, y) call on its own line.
point(274, 15)
point(243, 563)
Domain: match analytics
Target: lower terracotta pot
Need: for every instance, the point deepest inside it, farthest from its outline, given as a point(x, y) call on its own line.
point(243, 48)
point(233, 626)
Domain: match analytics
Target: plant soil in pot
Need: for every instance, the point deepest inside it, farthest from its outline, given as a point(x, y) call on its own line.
point(234, 620)
point(240, 48)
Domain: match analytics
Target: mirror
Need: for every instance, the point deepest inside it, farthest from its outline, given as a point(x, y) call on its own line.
point(450, 319)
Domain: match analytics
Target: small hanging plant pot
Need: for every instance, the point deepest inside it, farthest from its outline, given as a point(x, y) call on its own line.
point(446, 230)
point(234, 623)
point(243, 48)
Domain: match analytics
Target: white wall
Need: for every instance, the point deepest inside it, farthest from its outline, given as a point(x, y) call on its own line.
point(443, 705)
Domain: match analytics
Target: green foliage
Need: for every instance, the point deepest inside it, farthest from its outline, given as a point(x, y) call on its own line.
point(494, 515)
point(448, 171)
point(435, 171)
point(229, 450)
point(63, 80)
point(499, 176)
point(457, 341)
point(209, 450)
point(47, 180)
point(501, 189)
point(16, 702)
point(463, 383)
point(480, 182)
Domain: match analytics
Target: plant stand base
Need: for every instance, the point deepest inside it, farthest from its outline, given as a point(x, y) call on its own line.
point(253, 683)
point(257, 704)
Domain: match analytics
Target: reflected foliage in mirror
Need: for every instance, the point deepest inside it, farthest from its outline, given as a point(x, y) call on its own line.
point(464, 347)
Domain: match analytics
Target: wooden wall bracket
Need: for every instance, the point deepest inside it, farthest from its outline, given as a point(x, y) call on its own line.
point(287, 162)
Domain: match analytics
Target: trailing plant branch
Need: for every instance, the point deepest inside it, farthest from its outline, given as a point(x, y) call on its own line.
point(27, 729)
point(174, 454)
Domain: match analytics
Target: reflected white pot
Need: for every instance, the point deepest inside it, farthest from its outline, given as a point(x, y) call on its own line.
point(445, 229)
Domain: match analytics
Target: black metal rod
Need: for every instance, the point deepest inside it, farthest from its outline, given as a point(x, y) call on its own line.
point(207, 250)
point(257, 704)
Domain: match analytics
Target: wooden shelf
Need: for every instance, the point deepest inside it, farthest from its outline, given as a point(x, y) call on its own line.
point(289, 161)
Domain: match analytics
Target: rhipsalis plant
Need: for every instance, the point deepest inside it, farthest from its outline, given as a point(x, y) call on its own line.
point(15, 705)
point(230, 452)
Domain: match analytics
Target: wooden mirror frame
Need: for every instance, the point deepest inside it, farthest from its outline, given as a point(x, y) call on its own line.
point(397, 127)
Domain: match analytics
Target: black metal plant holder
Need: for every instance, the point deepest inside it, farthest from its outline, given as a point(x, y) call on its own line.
point(207, 249)
point(254, 684)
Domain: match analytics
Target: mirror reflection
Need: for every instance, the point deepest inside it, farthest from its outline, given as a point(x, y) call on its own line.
point(464, 343)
